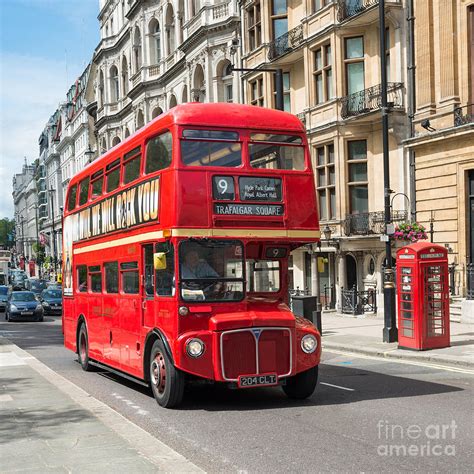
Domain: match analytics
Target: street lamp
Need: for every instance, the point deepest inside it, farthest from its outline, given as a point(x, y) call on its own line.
point(53, 233)
point(390, 333)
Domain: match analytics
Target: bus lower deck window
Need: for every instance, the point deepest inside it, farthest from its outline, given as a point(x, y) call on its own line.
point(111, 277)
point(129, 276)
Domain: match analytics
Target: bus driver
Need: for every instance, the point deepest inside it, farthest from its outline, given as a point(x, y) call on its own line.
point(195, 268)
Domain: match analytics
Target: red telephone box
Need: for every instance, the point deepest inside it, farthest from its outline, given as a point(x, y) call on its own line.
point(423, 296)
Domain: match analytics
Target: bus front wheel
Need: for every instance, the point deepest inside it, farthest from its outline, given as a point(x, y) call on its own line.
point(301, 385)
point(83, 349)
point(167, 382)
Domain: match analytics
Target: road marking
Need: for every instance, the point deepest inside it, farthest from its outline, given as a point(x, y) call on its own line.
point(131, 404)
point(337, 386)
point(400, 361)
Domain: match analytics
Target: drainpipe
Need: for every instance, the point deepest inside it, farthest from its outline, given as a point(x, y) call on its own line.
point(411, 100)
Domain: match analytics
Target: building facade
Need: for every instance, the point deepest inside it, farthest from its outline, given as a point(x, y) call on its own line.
point(329, 52)
point(443, 130)
point(155, 54)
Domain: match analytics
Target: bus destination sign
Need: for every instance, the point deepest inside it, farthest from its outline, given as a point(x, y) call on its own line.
point(266, 210)
point(260, 189)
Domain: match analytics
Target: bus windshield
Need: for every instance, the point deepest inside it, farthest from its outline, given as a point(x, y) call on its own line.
point(211, 270)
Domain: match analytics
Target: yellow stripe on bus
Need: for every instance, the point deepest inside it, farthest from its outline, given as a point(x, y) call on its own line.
point(183, 232)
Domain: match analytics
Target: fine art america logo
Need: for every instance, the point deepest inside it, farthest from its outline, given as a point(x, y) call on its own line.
point(432, 440)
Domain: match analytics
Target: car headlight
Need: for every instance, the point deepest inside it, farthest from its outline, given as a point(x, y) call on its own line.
point(45, 304)
point(309, 343)
point(13, 308)
point(38, 307)
point(195, 347)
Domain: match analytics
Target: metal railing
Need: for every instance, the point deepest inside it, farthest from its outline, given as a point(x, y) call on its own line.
point(369, 100)
point(286, 43)
point(463, 115)
point(368, 223)
point(349, 8)
point(358, 302)
point(470, 281)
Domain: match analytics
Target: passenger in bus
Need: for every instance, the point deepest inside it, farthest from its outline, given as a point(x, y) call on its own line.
point(195, 267)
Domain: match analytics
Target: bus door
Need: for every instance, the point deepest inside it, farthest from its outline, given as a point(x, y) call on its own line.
point(148, 287)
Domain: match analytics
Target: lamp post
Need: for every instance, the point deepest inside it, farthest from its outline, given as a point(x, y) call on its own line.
point(390, 333)
point(279, 105)
point(53, 232)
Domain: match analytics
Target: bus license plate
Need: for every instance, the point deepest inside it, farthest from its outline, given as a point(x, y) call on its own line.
point(257, 380)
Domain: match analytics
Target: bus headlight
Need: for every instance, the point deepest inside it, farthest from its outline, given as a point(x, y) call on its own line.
point(309, 344)
point(195, 347)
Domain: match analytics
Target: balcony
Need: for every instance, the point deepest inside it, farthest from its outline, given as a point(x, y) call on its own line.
point(463, 115)
point(349, 8)
point(370, 100)
point(370, 223)
point(286, 43)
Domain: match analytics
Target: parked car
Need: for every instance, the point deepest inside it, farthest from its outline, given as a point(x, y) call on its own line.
point(52, 301)
point(36, 285)
point(22, 305)
point(54, 286)
point(3, 297)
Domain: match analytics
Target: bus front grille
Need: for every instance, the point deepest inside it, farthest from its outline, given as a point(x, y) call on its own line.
point(255, 351)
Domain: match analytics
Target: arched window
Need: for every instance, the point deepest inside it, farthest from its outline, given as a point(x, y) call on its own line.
point(225, 90)
point(115, 141)
point(125, 75)
point(173, 101)
point(137, 49)
point(170, 33)
point(103, 146)
point(184, 95)
point(126, 133)
point(195, 7)
point(155, 41)
point(140, 119)
point(114, 84)
point(101, 89)
point(156, 111)
point(198, 92)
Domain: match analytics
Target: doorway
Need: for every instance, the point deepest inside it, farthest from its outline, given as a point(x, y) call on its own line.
point(351, 267)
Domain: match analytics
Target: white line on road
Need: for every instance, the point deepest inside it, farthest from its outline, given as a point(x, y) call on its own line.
point(337, 386)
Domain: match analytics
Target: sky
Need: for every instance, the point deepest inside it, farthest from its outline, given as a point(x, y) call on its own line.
point(45, 45)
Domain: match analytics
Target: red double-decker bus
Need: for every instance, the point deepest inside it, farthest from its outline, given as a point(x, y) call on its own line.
point(176, 247)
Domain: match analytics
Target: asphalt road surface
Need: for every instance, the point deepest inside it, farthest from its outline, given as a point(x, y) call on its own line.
point(367, 414)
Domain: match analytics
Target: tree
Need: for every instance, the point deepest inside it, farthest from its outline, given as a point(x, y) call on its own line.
point(7, 232)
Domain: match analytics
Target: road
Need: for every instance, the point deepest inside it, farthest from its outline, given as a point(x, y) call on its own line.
point(366, 414)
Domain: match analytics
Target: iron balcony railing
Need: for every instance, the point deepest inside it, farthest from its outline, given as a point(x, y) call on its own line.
point(463, 115)
point(349, 8)
point(286, 43)
point(368, 223)
point(369, 100)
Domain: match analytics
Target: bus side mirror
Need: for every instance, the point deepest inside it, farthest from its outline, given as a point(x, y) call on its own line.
point(159, 261)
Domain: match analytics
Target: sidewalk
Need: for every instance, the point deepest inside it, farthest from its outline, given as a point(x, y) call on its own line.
point(363, 335)
point(48, 424)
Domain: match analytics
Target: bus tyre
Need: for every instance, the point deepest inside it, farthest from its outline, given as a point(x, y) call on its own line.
point(167, 382)
point(301, 385)
point(83, 349)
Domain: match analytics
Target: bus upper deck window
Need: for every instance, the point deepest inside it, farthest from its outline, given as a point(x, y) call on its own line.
point(158, 153)
point(132, 161)
point(211, 148)
point(113, 176)
point(273, 151)
point(83, 191)
point(71, 200)
point(97, 184)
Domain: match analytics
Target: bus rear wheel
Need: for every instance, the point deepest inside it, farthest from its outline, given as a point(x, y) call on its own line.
point(301, 385)
point(83, 349)
point(167, 382)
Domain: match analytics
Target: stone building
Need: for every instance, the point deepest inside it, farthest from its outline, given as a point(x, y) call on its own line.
point(155, 54)
point(330, 56)
point(443, 131)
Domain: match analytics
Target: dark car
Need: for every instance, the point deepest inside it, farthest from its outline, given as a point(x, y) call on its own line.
point(23, 305)
point(54, 286)
point(52, 301)
point(3, 297)
point(36, 285)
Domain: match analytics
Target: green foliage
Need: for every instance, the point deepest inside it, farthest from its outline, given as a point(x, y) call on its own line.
point(7, 232)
